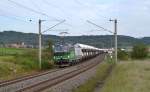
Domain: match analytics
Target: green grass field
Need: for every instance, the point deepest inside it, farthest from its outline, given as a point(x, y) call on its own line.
point(102, 71)
point(89, 86)
point(149, 55)
point(13, 51)
point(20, 60)
point(126, 76)
point(129, 76)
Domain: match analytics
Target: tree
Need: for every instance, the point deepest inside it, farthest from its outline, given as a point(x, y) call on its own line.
point(50, 45)
point(48, 52)
point(140, 51)
point(47, 55)
point(123, 55)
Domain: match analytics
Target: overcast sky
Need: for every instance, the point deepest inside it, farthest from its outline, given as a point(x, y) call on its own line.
point(133, 16)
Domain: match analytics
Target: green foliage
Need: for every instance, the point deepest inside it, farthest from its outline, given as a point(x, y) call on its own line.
point(95, 40)
point(123, 55)
point(7, 70)
point(29, 59)
point(101, 73)
point(47, 59)
point(129, 77)
point(109, 58)
point(50, 44)
point(24, 62)
point(47, 65)
point(4, 67)
point(49, 50)
point(149, 55)
point(11, 51)
point(140, 51)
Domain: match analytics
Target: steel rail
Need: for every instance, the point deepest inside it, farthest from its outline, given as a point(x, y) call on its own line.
point(58, 79)
point(41, 83)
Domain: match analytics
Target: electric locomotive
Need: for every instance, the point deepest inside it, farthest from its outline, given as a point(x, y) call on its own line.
point(67, 54)
point(63, 54)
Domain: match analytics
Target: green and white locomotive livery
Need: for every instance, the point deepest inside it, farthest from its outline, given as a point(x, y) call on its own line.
point(66, 54)
point(63, 54)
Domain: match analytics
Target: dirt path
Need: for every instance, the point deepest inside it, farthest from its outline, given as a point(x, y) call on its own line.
point(100, 84)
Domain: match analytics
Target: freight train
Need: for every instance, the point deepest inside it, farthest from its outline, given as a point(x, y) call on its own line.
point(67, 54)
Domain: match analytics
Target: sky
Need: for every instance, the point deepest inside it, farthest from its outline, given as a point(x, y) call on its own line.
point(133, 16)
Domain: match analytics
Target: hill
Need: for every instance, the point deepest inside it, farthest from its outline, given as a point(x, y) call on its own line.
point(8, 37)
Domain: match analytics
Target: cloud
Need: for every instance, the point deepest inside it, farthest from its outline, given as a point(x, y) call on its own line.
point(133, 15)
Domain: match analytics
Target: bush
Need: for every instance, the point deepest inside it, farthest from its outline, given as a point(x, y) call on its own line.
point(140, 51)
point(47, 59)
point(47, 64)
point(123, 55)
point(30, 59)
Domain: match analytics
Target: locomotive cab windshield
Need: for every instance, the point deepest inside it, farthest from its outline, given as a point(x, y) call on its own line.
point(61, 48)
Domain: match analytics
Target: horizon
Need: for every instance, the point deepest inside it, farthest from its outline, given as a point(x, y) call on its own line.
point(73, 35)
point(133, 16)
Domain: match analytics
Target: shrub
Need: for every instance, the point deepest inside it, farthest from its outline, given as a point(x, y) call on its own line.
point(123, 55)
point(46, 59)
point(47, 64)
point(28, 59)
point(140, 51)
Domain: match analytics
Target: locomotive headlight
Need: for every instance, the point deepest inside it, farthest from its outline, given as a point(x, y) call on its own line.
point(68, 56)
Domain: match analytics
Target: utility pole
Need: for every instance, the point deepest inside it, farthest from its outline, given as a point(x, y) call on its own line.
point(115, 33)
point(40, 44)
point(40, 39)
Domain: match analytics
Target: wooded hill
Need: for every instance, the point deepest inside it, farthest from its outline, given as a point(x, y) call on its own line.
point(8, 37)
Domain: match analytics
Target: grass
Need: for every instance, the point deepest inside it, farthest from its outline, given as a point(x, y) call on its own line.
point(149, 55)
point(23, 61)
point(28, 58)
point(7, 70)
point(6, 58)
point(90, 85)
point(130, 76)
point(12, 51)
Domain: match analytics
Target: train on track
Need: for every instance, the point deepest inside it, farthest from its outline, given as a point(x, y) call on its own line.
point(67, 54)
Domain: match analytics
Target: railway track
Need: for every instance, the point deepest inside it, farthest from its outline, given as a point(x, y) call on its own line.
point(7, 82)
point(44, 80)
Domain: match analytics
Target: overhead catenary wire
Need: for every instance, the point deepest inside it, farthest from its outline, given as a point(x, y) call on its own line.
point(58, 30)
point(60, 9)
point(6, 14)
point(32, 10)
point(85, 5)
point(17, 18)
point(10, 17)
point(54, 26)
point(49, 4)
point(104, 29)
point(80, 3)
point(35, 5)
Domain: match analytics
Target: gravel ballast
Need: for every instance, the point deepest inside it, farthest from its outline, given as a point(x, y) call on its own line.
point(76, 81)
